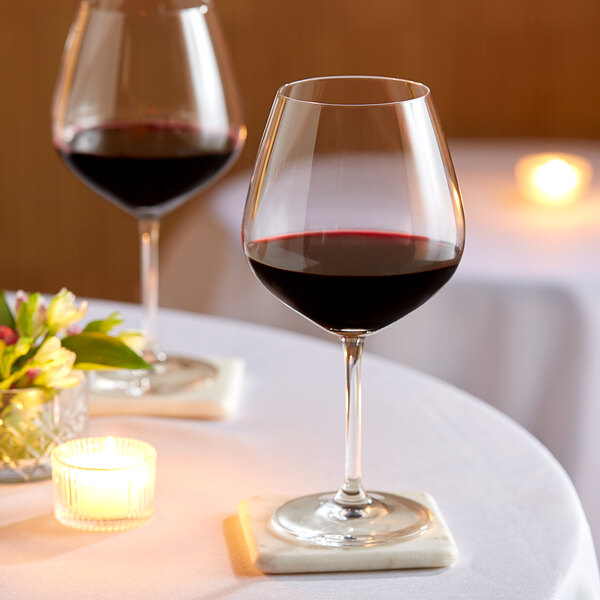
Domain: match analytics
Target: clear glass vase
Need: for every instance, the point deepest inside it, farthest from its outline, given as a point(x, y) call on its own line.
point(32, 422)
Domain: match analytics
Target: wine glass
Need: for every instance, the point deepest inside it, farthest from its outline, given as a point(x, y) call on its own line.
point(146, 113)
point(353, 219)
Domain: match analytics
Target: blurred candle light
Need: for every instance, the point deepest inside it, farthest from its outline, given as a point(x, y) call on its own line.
point(103, 484)
point(552, 179)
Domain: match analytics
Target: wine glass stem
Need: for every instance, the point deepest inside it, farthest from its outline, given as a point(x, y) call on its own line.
point(149, 232)
point(352, 494)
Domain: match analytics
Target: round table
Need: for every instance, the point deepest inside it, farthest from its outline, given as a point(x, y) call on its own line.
point(517, 326)
point(513, 512)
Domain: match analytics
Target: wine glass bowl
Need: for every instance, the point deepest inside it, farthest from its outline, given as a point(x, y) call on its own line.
point(353, 219)
point(146, 114)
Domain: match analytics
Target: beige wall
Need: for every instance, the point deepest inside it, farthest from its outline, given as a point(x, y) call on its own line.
point(511, 68)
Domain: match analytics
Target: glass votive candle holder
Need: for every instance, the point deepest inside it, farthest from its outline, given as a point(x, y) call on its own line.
point(103, 484)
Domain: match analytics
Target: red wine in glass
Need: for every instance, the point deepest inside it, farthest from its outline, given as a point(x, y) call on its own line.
point(147, 169)
point(352, 280)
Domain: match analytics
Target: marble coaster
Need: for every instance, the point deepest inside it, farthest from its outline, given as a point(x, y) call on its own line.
point(214, 399)
point(273, 553)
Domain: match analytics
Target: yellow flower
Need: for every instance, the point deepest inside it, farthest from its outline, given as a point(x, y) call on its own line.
point(53, 366)
point(134, 339)
point(62, 311)
point(10, 353)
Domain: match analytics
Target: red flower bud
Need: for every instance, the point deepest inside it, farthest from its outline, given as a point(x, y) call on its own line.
point(8, 336)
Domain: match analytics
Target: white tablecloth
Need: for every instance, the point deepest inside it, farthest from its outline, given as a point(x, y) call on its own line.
point(513, 512)
point(518, 325)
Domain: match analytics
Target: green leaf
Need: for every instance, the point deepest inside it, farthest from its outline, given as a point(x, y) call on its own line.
point(95, 348)
point(104, 325)
point(24, 321)
point(6, 316)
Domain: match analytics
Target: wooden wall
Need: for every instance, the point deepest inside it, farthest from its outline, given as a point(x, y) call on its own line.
point(497, 69)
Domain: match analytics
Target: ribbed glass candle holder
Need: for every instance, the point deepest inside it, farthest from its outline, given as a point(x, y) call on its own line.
point(103, 484)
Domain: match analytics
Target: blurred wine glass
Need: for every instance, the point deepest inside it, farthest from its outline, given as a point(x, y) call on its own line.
point(146, 113)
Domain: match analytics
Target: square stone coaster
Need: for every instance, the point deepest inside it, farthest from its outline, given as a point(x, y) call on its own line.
point(215, 399)
point(271, 552)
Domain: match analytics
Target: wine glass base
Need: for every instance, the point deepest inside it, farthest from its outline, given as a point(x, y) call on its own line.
point(318, 519)
point(170, 375)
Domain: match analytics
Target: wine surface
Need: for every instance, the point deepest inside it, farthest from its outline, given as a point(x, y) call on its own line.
point(352, 280)
point(146, 169)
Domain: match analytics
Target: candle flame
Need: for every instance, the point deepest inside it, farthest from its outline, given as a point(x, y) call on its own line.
point(109, 447)
point(553, 179)
point(556, 178)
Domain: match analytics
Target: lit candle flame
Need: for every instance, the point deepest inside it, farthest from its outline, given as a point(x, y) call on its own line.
point(109, 448)
point(556, 179)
